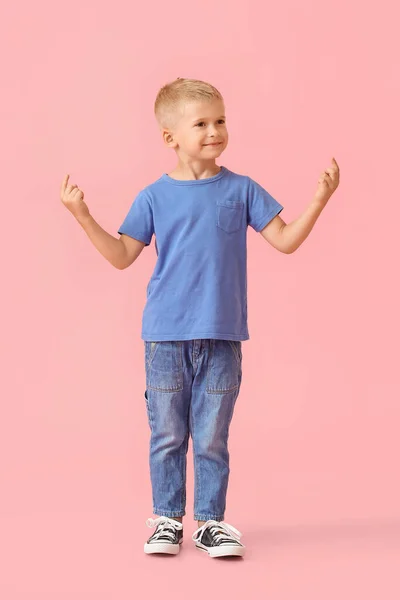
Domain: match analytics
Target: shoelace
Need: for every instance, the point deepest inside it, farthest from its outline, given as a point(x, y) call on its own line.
point(166, 525)
point(223, 532)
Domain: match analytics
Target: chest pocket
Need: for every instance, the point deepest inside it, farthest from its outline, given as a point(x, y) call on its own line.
point(230, 215)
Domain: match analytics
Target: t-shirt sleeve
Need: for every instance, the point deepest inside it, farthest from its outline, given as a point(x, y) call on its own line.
point(138, 223)
point(261, 206)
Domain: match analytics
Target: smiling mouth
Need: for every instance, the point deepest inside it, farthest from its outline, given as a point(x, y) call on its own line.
point(216, 144)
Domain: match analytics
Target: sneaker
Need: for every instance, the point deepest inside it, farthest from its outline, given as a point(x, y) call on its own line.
point(167, 537)
point(218, 539)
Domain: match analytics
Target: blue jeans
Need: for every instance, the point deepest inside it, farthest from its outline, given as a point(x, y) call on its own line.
point(191, 388)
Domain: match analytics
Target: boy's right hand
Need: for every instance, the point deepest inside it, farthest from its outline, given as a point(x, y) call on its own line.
point(72, 198)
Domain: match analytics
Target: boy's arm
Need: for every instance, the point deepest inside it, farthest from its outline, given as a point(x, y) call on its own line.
point(120, 252)
point(288, 237)
point(133, 248)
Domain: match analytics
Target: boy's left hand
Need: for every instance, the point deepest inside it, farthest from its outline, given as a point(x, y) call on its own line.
point(327, 183)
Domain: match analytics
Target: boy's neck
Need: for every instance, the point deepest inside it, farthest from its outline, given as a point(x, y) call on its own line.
point(187, 174)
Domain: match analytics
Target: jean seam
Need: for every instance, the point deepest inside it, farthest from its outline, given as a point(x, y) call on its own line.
point(183, 472)
point(168, 513)
point(203, 517)
point(196, 471)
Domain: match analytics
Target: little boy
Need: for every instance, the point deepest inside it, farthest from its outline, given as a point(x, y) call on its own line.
point(195, 317)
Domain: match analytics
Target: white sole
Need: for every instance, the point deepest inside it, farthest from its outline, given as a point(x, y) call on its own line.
point(161, 547)
point(217, 551)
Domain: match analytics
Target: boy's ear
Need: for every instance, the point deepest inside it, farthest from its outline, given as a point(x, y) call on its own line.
point(168, 138)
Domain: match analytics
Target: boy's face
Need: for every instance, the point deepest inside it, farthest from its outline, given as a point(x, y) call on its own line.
point(200, 133)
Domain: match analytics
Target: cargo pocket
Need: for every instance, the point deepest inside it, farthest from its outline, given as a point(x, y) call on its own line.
point(230, 215)
point(224, 367)
point(164, 366)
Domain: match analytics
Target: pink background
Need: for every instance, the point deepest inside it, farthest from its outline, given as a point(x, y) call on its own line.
point(314, 484)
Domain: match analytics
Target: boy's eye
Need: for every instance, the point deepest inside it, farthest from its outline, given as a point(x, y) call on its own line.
point(202, 122)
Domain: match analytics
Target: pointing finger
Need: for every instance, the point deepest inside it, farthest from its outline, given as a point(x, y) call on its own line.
point(64, 183)
point(335, 163)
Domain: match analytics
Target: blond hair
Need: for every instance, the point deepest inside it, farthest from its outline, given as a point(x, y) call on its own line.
point(171, 97)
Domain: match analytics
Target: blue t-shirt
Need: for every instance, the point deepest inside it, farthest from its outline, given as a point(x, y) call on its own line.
point(198, 288)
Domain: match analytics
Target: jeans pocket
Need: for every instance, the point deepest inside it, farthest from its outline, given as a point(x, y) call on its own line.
point(230, 215)
point(149, 349)
point(237, 348)
point(164, 366)
point(224, 368)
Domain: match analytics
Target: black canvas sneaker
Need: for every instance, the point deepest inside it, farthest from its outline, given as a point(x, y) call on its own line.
point(218, 539)
point(167, 537)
